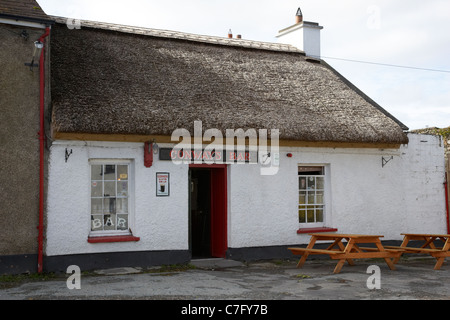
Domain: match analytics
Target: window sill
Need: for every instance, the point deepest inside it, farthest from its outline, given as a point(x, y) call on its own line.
point(316, 230)
point(112, 239)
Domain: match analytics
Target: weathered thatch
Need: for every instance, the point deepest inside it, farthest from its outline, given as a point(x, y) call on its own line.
point(110, 79)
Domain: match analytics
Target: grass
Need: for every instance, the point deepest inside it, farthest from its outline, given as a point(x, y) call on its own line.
point(170, 268)
point(12, 280)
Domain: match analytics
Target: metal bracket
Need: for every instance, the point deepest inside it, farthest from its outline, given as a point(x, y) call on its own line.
point(385, 161)
point(68, 154)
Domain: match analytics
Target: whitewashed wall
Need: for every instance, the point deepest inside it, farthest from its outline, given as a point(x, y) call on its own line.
point(406, 195)
point(424, 184)
point(160, 222)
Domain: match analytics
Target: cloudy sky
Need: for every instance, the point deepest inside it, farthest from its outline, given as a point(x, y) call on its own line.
point(381, 46)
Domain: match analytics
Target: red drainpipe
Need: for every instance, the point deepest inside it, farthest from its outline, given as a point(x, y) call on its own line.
point(41, 153)
point(446, 203)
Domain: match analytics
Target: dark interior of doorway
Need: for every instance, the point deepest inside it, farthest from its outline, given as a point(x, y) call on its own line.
point(200, 215)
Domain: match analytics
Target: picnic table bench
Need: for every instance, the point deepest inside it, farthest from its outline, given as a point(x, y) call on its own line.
point(428, 247)
point(351, 250)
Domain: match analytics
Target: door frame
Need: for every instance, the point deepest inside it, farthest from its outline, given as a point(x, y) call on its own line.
point(219, 208)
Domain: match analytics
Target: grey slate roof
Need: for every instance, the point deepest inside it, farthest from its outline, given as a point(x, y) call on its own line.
point(28, 10)
point(112, 79)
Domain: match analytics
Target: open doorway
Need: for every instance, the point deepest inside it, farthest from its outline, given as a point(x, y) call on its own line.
point(208, 211)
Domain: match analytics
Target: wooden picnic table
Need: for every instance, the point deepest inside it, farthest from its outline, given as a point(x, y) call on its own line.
point(428, 247)
point(337, 250)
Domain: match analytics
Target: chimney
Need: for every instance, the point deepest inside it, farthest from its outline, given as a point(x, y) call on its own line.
point(304, 35)
point(299, 16)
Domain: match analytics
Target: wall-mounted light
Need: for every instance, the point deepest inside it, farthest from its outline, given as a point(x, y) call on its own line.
point(38, 45)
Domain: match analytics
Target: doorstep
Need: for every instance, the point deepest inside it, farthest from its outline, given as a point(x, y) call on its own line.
point(215, 263)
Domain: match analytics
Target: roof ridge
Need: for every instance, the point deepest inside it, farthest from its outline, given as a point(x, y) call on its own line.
point(253, 44)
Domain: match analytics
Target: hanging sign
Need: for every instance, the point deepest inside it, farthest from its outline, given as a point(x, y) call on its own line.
point(162, 184)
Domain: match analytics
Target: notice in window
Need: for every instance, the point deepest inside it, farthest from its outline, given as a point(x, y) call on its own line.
point(162, 184)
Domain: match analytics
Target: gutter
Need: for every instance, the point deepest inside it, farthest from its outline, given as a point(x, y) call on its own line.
point(41, 152)
point(24, 18)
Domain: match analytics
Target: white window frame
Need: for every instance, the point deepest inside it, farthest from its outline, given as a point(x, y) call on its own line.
point(131, 192)
point(326, 197)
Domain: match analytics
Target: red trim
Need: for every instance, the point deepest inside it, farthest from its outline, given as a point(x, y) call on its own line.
point(446, 202)
point(41, 153)
point(112, 239)
point(315, 230)
point(219, 212)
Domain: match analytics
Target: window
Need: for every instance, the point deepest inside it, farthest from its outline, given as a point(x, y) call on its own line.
point(110, 198)
point(311, 204)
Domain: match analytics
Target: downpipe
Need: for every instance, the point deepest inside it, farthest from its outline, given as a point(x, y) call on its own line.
point(41, 151)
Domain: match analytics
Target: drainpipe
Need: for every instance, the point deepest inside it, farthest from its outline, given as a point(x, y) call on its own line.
point(446, 202)
point(41, 152)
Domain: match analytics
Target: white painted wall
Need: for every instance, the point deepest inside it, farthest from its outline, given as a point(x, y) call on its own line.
point(424, 189)
point(160, 222)
point(406, 195)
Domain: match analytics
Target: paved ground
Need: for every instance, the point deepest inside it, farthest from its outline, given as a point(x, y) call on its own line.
point(230, 280)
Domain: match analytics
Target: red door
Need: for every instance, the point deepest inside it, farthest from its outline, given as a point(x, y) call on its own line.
point(219, 212)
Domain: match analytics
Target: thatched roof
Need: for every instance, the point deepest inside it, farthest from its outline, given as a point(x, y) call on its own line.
point(109, 79)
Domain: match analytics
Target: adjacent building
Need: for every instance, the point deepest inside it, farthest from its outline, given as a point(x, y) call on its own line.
point(24, 105)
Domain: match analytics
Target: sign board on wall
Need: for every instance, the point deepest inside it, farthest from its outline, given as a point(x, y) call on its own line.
point(162, 184)
point(191, 155)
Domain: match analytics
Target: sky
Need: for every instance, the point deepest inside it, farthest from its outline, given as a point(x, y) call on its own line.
point(396, 51)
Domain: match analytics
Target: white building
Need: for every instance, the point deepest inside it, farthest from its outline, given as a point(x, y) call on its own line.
point(116, 198)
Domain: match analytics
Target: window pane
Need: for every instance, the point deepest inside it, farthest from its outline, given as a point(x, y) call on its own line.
point(310, 197)
point(122, 188)
point(302, 182)
point(122, 222)
point(319, 215)
point(311, 183)
point(96, 172)
point(96, 222)
point(301, 216)
point(109, 222)
point(96, 206)
point(319, 182)
point(122, 172)
point(96, 189)
point(319, 197)
point(310, 215)
point(110, 189)
point(110, 172)
point(109, 205)
point(122, 205)
point(302, 197)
